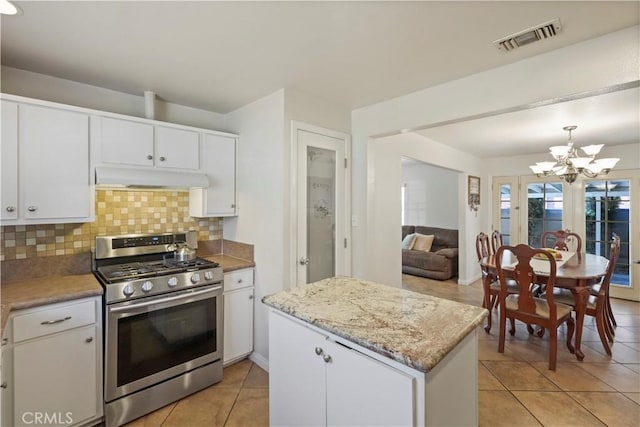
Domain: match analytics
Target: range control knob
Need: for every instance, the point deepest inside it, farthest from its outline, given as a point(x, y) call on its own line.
point(195, 278)
point(147, 286)
point(208, 275)
point(173, 281)
point(128, 290)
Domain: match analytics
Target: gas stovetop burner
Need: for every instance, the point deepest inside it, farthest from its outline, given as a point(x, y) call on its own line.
point(139, 270)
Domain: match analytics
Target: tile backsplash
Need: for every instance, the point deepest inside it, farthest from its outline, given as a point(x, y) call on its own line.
point(117, 212)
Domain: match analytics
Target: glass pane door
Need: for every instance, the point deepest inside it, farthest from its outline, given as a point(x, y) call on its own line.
point(321, 192)
point(506, 209)
point(607, 212)
point(544, 210)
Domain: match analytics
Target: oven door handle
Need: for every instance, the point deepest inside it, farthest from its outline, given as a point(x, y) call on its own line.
point(164, 300)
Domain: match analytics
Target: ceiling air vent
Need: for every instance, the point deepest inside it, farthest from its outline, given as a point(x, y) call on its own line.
point(530, 35)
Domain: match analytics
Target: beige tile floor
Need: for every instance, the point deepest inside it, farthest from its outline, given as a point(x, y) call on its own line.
point(514, 388)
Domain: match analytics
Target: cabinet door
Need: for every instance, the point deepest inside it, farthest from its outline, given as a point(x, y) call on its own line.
point(364, 391)
point(296, 374)
point(238, 323)
point(177, 148)
point(9, 161)
point(53, 163)
point(219, 162)
point(57, 376)
point(126, 142)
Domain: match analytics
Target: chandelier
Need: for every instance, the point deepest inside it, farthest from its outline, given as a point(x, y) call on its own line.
point(569, 165)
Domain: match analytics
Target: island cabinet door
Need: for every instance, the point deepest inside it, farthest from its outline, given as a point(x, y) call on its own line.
point(296, 374)
point(364, 391)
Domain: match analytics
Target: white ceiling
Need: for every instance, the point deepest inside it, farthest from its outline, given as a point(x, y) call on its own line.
point(220, 56)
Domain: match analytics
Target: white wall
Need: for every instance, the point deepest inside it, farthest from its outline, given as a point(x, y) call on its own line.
point(264, 199)
point(41, 86)
point(598, 63)
point(383, 189)
point(430, 195)
point(261, 207)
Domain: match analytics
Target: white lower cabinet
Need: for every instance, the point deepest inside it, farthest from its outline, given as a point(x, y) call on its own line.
point(238, 315)
point(319, 379)
point(314, 380)
point(55, 365)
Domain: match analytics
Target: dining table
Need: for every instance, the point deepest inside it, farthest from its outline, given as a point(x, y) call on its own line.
point(577, 272)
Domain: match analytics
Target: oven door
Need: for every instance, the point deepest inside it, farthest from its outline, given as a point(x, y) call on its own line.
point(154, 339)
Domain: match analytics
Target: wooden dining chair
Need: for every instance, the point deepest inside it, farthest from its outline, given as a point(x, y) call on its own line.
point(496, 240)
point(525, 306)
point(598, 305)
point(559, 240)
point(490, 284)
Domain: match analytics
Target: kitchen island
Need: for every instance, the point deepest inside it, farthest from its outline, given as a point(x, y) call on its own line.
point(344, 351)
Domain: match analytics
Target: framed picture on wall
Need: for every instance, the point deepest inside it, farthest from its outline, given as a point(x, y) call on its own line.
point(474, 192)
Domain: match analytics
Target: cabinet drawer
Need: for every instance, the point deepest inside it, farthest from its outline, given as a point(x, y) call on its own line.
point(238, 279)
point(52, 320)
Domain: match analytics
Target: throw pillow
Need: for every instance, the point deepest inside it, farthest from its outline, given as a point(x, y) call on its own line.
point(423, 242)
point(408, 241)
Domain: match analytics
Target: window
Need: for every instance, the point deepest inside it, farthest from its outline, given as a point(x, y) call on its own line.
point(505, 213)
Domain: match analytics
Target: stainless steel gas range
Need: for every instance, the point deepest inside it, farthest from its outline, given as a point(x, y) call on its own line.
point(163, 323)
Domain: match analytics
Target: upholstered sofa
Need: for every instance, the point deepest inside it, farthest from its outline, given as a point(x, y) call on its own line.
point(440, 262)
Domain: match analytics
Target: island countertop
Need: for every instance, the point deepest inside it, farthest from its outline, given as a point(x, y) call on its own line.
point(414, 329)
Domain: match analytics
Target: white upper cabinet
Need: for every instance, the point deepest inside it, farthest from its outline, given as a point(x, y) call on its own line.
point(131, 143)
point(9, 158)
point(219, 163)
point(126, 142)
point(47, 179)
point(177, 148)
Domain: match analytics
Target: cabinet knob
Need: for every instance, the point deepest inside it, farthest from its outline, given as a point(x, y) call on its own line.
point(90, 339)
point(11, 208)
point(162, 159)
point(326, 358)
point(319, 351)
point(3, 385)
point(233, 206)
point(239, 280)
point(32, 208)
point(149, 157)
point(250, 296)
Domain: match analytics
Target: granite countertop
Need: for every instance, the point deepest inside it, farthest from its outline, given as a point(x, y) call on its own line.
point(414, 329)
point(35, 292)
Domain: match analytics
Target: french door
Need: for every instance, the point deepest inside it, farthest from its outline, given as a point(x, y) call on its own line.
point(524, 207)
point(321, 194)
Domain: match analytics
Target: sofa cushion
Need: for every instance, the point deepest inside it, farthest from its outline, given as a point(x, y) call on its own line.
point(408, 229)
point(422, 242)
point(424, 260)
point(444, 237)
point(408, 241)
point(448, 252)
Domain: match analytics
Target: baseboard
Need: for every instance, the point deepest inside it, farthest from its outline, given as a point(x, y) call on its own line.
point(468, 282)
point(260, 360)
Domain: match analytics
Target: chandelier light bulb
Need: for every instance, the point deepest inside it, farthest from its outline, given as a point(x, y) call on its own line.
point(559, 151)
point(608, 163)
point(8, 8)
point(546, 166)
point(580, 162)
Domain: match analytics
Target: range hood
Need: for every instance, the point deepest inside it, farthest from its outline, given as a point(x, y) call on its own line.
point(129, 177)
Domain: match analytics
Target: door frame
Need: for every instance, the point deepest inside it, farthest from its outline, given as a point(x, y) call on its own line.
point(293, 227)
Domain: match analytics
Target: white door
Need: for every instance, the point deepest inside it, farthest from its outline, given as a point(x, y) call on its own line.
point(506, 208)
point(322, 186)
point(611, 206)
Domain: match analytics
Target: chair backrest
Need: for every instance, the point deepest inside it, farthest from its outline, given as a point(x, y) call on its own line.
point(496, 240)
point(482, 246)
point(525, 277)
point(559, 240)
point(611, 266)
